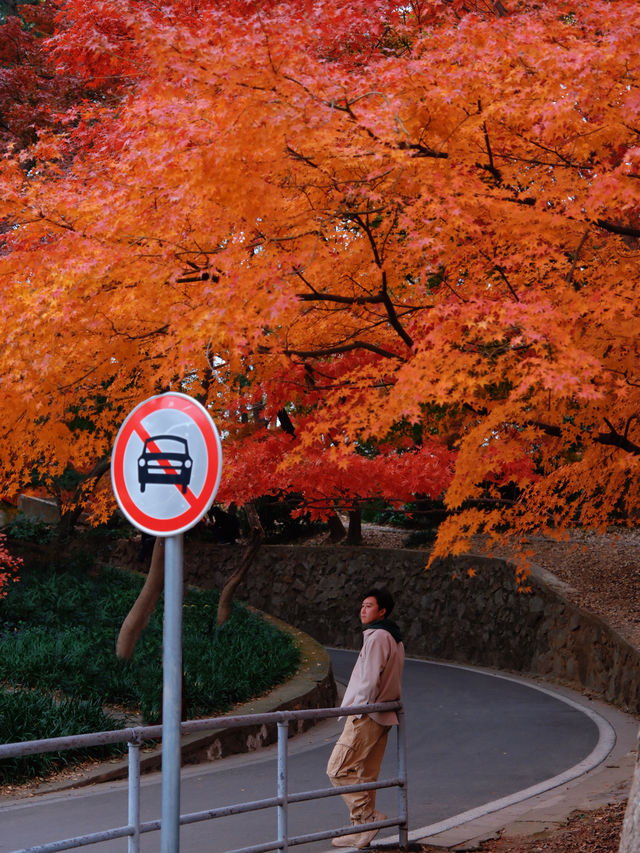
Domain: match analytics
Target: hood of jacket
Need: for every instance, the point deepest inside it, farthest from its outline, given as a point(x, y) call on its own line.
point(386, 625)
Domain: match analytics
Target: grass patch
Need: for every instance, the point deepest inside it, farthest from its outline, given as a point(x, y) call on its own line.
point(58, 629)
point(30, 715)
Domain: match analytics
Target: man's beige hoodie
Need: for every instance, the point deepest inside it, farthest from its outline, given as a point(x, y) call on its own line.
point(377, 674)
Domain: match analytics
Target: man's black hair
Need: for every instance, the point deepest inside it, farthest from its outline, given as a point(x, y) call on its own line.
point(383, 597)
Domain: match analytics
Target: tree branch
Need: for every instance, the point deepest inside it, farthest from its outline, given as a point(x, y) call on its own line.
point(201, 276)
point(297, 156)
point(504, 277)
point(577, 255)
point(614, 439)
point(622, 230)
point(611, 439)
point(343, 300)
point(342, 349)
point(492, 168)
point(423, 150)
point(391, 313)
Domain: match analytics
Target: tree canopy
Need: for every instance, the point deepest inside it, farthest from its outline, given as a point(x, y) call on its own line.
point(394, 249)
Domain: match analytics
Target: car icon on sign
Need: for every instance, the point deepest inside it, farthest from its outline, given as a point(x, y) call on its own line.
point(165, 460)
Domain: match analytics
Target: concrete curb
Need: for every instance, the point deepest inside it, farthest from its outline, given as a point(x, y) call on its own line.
point(312, 686)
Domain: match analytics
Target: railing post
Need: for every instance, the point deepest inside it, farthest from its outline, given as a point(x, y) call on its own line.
point(134, 796)
point(403, 809)
point(283, 788)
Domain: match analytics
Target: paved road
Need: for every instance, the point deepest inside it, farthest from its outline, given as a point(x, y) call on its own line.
point(473, 738)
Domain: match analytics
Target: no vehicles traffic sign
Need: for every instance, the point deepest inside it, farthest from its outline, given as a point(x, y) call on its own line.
point(166, 464)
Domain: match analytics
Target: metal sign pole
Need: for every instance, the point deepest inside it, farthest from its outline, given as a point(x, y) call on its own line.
point(165, 473)
point(172, 695)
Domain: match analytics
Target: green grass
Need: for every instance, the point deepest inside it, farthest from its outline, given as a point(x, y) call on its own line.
point(30, 715)
point(57, 638)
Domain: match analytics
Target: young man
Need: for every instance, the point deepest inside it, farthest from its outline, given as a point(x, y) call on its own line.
point(376, 677)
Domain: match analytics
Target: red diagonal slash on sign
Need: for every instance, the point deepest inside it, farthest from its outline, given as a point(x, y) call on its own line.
point(168, 517)
point(144, 435)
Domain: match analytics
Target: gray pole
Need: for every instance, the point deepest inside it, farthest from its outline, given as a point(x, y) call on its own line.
point(403, 829)
point(283, 788)
point(172, 695)
point(133, 845)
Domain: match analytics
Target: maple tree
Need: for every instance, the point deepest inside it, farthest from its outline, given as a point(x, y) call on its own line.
point(34, 95)
point(393, 249)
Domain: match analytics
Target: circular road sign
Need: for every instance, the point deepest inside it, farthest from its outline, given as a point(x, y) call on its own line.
point(166, 464)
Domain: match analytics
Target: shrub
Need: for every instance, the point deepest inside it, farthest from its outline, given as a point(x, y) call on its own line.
point(29, 529)
point(58, 632)
point(30, 715)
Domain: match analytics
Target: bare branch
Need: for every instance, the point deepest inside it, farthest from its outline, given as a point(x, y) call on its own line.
point(421, 150)
point(503, 276)
point(492, 168)
point(577, 255)
point(321, 353)
point(297, 156)
point(614, 439)
point(622, 230)
point(343, 300)
point(611, 439)
point(391, 313)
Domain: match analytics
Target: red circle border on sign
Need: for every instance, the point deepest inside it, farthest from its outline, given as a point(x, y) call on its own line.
point(190, 407)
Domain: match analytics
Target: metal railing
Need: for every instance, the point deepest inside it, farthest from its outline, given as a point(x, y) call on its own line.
point(136, 736)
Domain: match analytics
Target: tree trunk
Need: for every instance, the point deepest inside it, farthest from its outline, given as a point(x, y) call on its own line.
point(336, 527)
point(70, 517)
point(355, 527)
point(255, 542)
point(138, 617)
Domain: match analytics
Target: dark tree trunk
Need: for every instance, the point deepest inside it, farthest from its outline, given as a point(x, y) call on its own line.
point(138, 617)
point(336, 528)
point(255, 543)
point(355, 527)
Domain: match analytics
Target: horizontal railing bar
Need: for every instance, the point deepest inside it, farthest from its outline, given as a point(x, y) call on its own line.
point(346, 830)
point(258, 848)
point(53, 744)
point(322, 793)
point(287, 716)
point(302, 797)
point(319, 836)
point(151, 826)
point(79, 840)
point(142, 733)
point(227, 811)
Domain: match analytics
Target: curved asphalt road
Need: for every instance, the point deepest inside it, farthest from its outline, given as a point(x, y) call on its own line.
point(476, 741)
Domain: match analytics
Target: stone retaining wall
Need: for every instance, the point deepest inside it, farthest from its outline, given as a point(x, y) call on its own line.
point(465, 609)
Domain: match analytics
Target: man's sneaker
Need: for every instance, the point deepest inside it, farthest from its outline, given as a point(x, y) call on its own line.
point(364, 839)
point(344, 841)
point(359, 839)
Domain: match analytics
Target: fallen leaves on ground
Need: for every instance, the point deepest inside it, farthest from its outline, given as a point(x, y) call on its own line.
point(584, 832)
